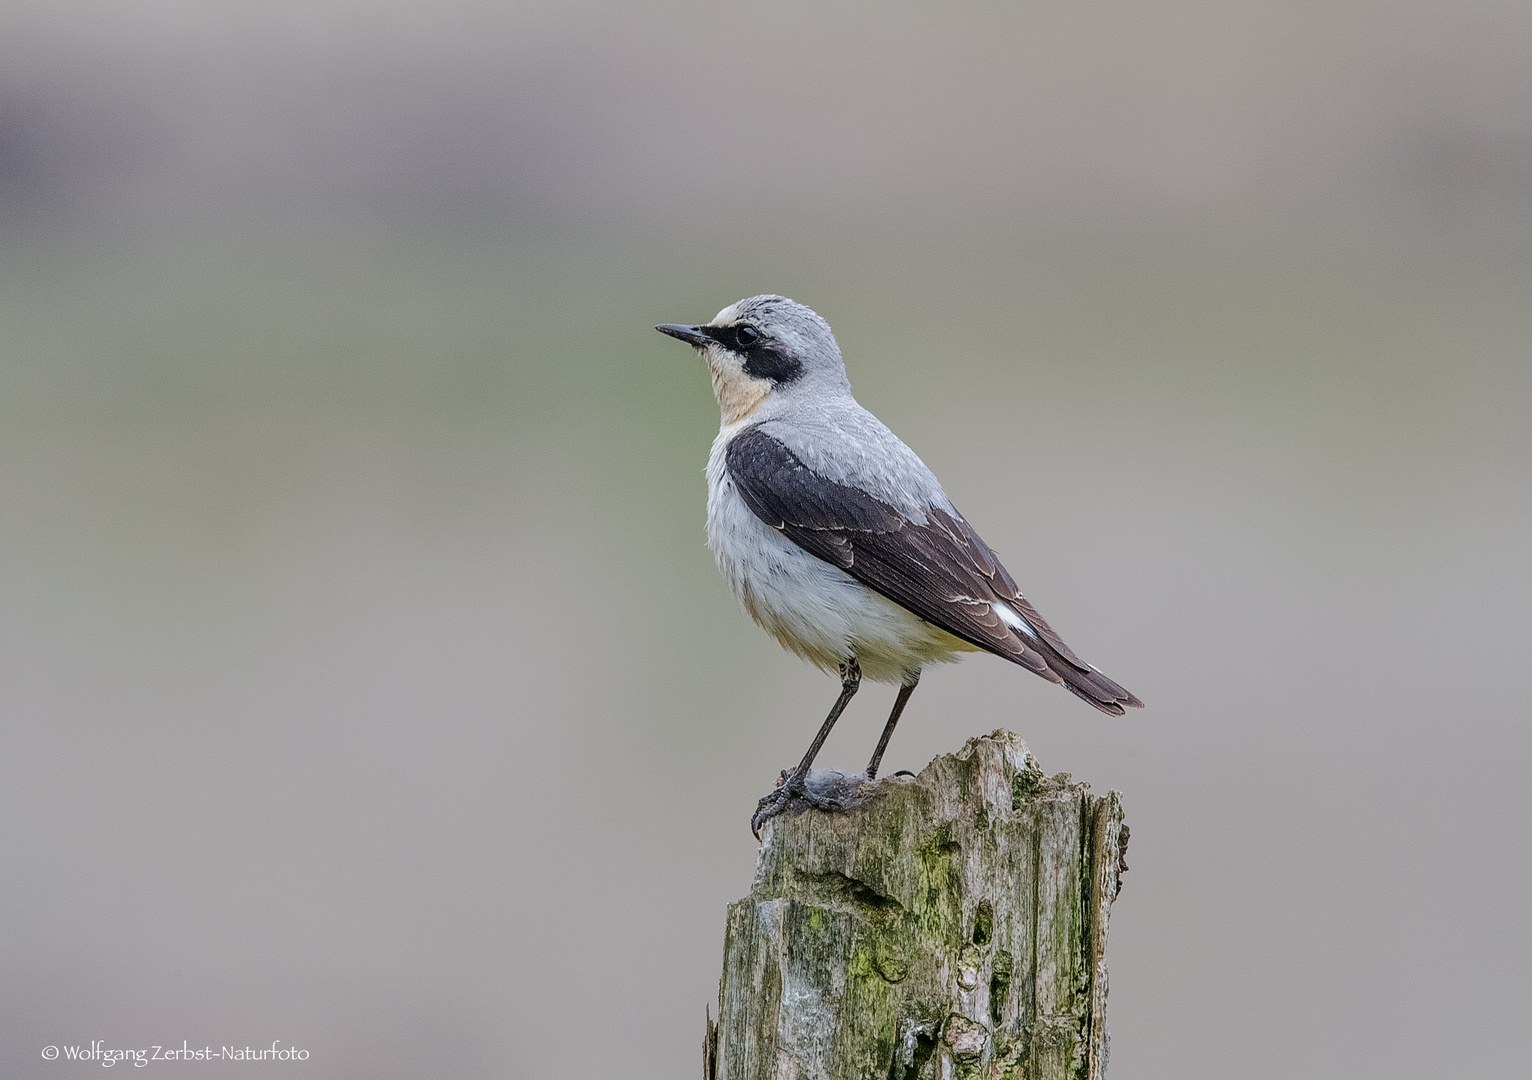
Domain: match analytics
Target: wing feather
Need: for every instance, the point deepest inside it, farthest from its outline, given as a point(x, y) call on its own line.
point(939, 569)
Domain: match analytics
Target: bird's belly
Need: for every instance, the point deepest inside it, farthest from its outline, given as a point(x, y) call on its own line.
point(813, 608)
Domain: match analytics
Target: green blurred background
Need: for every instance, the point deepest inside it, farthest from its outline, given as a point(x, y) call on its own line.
point(367, 684)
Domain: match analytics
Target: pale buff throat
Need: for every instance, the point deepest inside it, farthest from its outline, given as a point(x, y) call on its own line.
point(738, 394)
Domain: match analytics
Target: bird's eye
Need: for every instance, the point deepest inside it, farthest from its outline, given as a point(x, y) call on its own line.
point(746, 336)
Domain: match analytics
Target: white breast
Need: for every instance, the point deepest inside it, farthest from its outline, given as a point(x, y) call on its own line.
point(813, 608)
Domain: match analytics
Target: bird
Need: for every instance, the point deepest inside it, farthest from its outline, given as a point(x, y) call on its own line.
point(839, 542)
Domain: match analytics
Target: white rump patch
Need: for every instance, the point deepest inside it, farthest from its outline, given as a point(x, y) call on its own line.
point(1014, 621)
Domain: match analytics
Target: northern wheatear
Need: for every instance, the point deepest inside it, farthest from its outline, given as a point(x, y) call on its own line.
point(839, 541)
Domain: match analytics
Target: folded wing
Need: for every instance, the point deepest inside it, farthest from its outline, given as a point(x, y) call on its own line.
point(939, 569)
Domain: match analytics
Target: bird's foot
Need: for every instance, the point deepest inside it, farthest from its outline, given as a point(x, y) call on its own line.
point(777, 802)
point(829, 790)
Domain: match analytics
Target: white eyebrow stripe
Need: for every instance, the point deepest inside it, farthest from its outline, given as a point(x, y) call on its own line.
point(1014, 621)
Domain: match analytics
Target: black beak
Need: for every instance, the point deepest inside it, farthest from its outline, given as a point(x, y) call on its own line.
point(692, 335)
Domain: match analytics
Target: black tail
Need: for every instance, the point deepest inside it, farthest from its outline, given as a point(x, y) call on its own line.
point(1079, 678)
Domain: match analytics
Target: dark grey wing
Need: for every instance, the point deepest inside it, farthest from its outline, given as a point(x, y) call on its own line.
point(939, 569)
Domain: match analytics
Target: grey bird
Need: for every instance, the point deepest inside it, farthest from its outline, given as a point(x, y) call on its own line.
point(839, 541)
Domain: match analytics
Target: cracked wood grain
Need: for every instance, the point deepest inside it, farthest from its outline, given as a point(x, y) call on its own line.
point(949, 925)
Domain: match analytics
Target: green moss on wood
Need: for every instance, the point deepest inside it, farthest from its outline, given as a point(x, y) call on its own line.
point(951, 925)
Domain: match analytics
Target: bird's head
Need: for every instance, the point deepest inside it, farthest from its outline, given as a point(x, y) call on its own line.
point(762, 349)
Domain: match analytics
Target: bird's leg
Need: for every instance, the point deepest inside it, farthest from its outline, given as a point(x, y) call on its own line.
point(912, 678)
point(778, 800)
point(850, 680)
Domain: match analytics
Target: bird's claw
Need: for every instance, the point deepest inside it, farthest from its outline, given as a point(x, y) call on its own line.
point(828, 790)
point(775, 803)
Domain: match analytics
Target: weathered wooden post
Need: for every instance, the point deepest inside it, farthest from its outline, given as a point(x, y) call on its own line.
point(951, 924)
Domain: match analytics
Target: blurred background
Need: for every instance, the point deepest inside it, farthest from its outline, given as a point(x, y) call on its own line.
point(366, 682)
